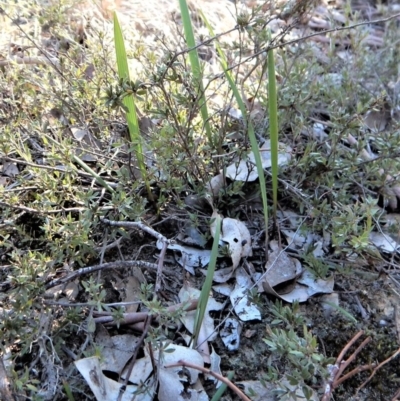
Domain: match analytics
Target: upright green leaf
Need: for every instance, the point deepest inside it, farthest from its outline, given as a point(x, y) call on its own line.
point(273, 126)
point(205, 291)
point(196, 67)
point(250, 128)
point(129, 102)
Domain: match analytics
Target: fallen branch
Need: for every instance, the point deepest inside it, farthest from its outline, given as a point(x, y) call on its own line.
point(206, 371)
point(103, 266)
point(336, 370)
point(376, 369)
point(139, 317)
point(30, 60)
point(147, 323)
point(141, 226)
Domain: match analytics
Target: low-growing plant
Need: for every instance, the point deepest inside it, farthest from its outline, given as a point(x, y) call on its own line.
point(305, 366)
point(55, 187)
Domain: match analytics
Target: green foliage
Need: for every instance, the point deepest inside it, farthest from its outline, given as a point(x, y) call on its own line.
point(206, 288)
point(305, 366)
point(52, 204)
point(249, 124)
point(273, 125)
point(129, 103)
point(196, 68)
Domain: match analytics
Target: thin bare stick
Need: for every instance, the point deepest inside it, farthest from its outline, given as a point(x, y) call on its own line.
point(206, 371)
point(376, 369)
point(112, 265)
point(304, 38)
point(134, 356)
point(137, 317)
point(337, 369)
point(30, 60)
point(348, 345)
point(160, 267)
point(353, 372)
point(353, 356)
point(141, 226)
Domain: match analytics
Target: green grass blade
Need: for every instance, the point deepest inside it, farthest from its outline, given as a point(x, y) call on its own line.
point(205, 291)
point(68, 391)
point(98, 178)
point(196, 68)
point(250, 128)
point(129, 103)
point(222, 388)
point(273, 127)
point(79, 161)
point(344, 312)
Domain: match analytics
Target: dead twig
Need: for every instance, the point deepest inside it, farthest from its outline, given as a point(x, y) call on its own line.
point(141, 226)
point(139, 317)
point(345, 364)
point(134, 356)
point(206, 371)
point(160, 267)
point(353, 372)
point(376, 369)
point(338, 368)
point(111, 265)
point(30, 60)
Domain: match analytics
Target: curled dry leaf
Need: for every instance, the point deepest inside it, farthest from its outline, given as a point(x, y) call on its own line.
point(189, 258)
point(237, 236)
point(116, 350)
point(383, 242)
point(10, 169)
point(286, 279)
point(106, 389)
point(266, 390)
point(186, 293)
point(299, 237)
point(280, 268)
point(129, 291)
point(215, 185)
point(177, 383)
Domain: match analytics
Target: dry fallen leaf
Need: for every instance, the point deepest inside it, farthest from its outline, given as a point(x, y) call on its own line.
point(245, 169)
point(106, 389)
point(244, 308)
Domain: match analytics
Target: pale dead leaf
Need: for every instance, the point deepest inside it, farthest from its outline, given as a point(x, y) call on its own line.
point(215, 185)
point(186, 293)
point(230, 334)
point(190, 258)
point(71, 290)
point(10, 169)
point(245, 169)
point(280, 268)
point(244, 308)
point(383, 242)
point(129, 291)
point(106, 389)
point(116, 350)
point(171, 379)
point(78, 133)
point(237, 235)
point(215, 366)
